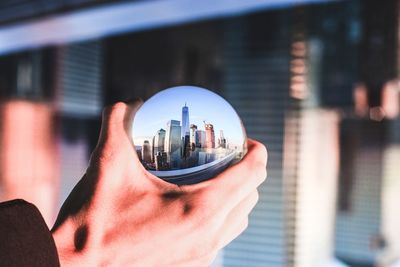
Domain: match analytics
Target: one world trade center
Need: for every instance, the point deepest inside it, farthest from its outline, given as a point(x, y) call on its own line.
point(185, 132)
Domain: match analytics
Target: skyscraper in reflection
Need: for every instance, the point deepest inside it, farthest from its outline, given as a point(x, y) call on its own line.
point(152, 149)
point(172, 136)
point(159, 141)
point(185, 132)
point(221, 140)
point(173, 142)
point(200, 138)
point(193, 141)
point(161, 161)
point(210, 135)
point(146, 151)
point(185, 121)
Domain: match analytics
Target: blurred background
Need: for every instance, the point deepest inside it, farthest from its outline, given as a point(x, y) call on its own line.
point(316, 81)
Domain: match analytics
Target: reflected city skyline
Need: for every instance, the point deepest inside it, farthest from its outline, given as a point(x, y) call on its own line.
point(180, 144)
point(187, 134)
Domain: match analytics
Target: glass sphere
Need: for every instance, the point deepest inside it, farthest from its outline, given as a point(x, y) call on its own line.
point(188, 134)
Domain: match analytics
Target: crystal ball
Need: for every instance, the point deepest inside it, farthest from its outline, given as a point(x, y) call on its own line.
point(188, 134)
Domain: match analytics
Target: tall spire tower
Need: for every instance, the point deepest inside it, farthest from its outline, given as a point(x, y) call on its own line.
point(185, 121)
point(185, 131)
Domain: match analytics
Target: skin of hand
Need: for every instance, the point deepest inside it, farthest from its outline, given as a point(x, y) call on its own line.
point(119, 214)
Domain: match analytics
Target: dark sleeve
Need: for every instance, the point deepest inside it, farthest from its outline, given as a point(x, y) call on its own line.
point(25, 239)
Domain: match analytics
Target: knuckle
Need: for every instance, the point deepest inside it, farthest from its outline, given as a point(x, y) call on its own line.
point(260, 171)
point(254, 200)
point(244, 225)
point(257, 172)
point(256, 197)
point(263, 173)
point(263, 152)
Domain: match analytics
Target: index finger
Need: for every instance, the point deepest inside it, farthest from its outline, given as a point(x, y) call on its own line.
point(236, 182)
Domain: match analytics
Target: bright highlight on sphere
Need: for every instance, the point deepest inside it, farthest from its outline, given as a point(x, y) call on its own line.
point(188, 134)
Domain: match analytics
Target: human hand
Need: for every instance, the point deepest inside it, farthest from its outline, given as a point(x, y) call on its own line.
point(119, 214)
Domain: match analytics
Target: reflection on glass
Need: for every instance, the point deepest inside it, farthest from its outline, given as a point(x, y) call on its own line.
point(187, 134)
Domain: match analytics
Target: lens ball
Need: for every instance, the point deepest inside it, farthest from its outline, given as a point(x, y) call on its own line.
point(188, 134)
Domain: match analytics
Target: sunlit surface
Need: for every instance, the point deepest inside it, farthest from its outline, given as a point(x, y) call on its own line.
point(187, 134)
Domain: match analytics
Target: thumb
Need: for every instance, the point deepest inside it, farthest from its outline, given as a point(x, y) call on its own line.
point(115, 155)
point(117, 122)
point(115, 146)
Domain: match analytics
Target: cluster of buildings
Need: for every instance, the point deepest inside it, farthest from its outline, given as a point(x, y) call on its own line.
point(182, 145)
